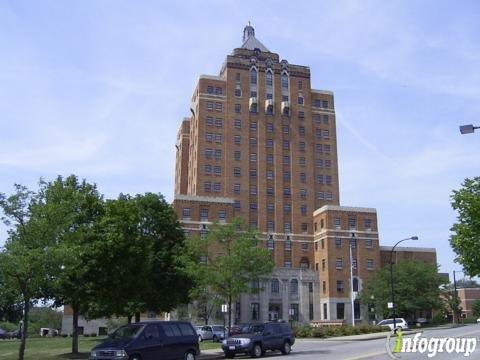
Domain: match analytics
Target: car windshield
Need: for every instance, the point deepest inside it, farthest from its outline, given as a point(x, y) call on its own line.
point(126, 332)
point(252, 329)
point(218, 328)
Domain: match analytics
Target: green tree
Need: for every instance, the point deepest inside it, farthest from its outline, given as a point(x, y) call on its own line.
point(476, 308)
point(226, 261)
point(71, 208)
point(138, 257)
point(24, 260)
point(466, 231)
point(416, 287)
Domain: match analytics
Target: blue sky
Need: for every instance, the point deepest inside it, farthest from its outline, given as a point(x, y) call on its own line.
point(98, 88)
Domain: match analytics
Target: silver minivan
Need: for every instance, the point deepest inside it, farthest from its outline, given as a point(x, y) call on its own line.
point(400, 323)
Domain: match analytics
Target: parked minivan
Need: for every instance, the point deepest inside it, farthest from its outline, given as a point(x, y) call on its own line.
point(150, 340)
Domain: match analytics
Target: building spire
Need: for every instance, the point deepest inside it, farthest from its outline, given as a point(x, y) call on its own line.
point(248, 31)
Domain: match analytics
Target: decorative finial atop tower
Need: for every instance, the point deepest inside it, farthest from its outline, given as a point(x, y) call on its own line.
point(248, 31)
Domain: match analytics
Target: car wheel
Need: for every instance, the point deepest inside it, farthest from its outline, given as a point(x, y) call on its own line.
point(190, 355)
point(229, 355)
point(257, 351)
point(286, 348)
point(135, 357)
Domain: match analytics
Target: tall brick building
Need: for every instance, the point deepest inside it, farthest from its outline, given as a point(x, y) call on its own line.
point(261, 143)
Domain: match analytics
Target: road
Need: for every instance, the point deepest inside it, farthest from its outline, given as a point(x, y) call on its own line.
point(374, 349)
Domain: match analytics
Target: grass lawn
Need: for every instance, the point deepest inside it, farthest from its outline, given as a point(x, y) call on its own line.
point(59, 348)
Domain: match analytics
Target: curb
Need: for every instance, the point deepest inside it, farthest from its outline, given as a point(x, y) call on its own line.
point(374, 336)
point(204, 355)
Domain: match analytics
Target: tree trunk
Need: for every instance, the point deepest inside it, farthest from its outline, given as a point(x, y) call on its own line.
point(23, 342)
point(76, 313)
point(137, 317)
point(129, 319)
point(229, 313)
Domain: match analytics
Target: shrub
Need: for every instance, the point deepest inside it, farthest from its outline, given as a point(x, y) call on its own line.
point(86, 335)
point(93, 334)
point(64, 335)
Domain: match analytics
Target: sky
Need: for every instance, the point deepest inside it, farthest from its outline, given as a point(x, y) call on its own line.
point(98, 89)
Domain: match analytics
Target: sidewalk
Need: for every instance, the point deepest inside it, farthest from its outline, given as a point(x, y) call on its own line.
point(362, 337)
point(211, 354)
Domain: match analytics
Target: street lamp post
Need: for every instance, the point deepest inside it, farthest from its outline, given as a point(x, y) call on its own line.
point(391, 279)
point(468, 129)
point(351, 281)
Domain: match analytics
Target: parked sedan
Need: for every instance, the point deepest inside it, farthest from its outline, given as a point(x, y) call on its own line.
point(4, 334)
point(400, 323)
point(211, 332)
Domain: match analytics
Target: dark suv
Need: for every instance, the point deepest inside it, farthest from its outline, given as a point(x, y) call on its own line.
point(166, 340)
point(256, 339)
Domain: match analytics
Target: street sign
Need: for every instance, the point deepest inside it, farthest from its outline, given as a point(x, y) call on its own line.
point(390, 305)
point(224, 308)
point(291, 312)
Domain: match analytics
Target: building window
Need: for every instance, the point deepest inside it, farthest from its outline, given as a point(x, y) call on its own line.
point(208, 153)
point(326, 134)
point(340, 285)
point(353, 243)
point(238, 123)
point(253, 94)
point(326, 148)
point(320, 195)
point(236, 188)
point(236, 171)
point(210, 89)
point(286, 175)
point(355, 284)
point(369, 264)
point(339, 264)
point(218, 91)
point(303, 210)
point(207, 186)
point(368, 224)
point(207, 169)
point(236, 155)
point(286, 145)
point(209, 105)
point(269, 127)
point(186, 213)
point(301, 145)
point(325, 313)
point(302, 161)
point(287, 208)
point(253, 157)
point(268, 78)
point(319, 179)
point(304, 264)
point(318, 134)
point(304, 246)
point(286, 160)
point(317, 103)
point(253, 76)
point(328, 195)
point(237, 139)
point(288, 264)
point(286, 129)
point(253, 207)
point(294, 286)
point(303, 194)
point(324, 288)
point(238, 108)
point(352, 223)
point(369, 243)
point(324, 104)
point(270, 208)
point(217, 187)
point(270, 191)
point(269, 158)
point(253, 141)
point(253, 190)
point(269, 175)
point(338, 243)
point(287, 227)
point(217, 170)
point(218, 106)
point(269, 143)
point(222, 215)
point(300, 100)
point(238, 91)
point(237, 205)
point(301, 131)
point(323, 264)
point(286, 192)
point(255, 311)
point(340, 310)
point(322, 243)
point(218, 122)
point(270, 244)
point(275, 286)
point(319, 148)
point(218, 154)
point(203, 214)
point(270, 226)
point(218, 138)
point(301, 115)
point(253, 173)
point(253, 126)
point(328, 163)
point(325, 119)
point(304, 227)
point(328, 179)
point(237, 76)
point(284, 81)
point(354, 264)
point(209, 121)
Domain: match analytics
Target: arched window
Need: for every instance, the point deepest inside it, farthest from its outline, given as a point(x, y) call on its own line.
point(268, 78)
point(270, 244)
point(284, 81)
point(294, 286)
point(253, 75)
point(275, 286)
